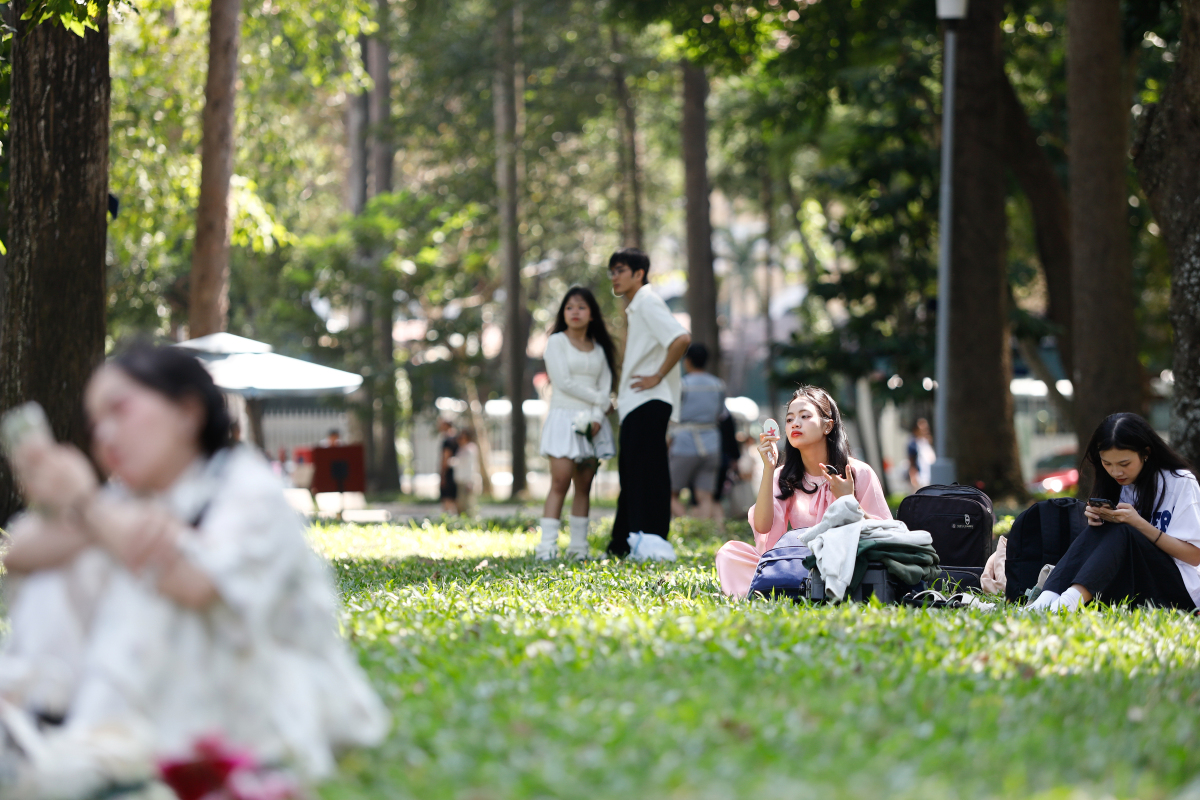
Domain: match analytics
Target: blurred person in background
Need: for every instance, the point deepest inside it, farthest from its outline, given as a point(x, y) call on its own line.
point(921, 455)
point(448, 487)
point(647, 400)
point(177, 601)
point(696, 456)
point(576, 437)
point(466, 471)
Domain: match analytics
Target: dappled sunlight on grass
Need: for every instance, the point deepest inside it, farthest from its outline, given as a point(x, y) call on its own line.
point(513, 678)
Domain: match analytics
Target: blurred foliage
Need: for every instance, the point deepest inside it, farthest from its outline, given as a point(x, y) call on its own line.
point(829, 111)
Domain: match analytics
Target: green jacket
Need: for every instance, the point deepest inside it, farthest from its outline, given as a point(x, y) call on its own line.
point(909, 564)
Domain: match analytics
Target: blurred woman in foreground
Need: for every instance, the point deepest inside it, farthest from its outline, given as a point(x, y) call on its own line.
point(178, 601)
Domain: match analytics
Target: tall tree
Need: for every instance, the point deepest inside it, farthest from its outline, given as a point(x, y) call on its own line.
point(980, 408)
point(52, 320)
point(505, 111)
point(208, 308)
point(1031, 166)
point(1167, 155)
point(702, 283)
point(1107, 375)
point(386, 472)
point(631, 184)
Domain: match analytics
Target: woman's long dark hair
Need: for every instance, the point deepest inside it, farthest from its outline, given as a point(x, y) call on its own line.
point(792, 477)
point(1126, 431)
point(178, 375)
point(596, 329)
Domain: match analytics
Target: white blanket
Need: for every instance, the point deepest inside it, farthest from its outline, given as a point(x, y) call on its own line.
point(834, 541)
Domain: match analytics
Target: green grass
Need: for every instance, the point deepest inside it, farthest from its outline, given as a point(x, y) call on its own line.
point(512, 679)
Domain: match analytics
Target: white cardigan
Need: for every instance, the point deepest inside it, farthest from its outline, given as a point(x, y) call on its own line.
point(582, 381)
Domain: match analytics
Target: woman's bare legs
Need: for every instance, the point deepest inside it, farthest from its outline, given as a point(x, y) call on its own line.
point(561, 471)
point(581, 504)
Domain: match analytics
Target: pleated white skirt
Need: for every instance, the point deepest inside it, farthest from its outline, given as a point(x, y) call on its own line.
point(559, 439)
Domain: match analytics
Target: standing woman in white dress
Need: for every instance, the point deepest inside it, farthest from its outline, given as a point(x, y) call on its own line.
point(576, 436)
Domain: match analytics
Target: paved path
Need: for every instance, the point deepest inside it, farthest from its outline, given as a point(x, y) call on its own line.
point(408, 512)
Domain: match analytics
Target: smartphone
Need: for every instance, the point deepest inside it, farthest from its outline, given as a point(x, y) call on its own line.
point(771, 428)
point(24, 423)
point(832, 470)
point(1100, 502)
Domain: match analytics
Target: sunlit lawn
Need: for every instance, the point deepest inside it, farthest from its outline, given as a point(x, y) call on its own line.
point(510, 678)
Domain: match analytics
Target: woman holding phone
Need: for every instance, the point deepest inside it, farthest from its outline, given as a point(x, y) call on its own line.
point(815, 468)
point(180, 600)
point(1142, 542)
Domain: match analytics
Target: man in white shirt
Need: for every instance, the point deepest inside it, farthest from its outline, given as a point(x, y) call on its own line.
point(647, 399)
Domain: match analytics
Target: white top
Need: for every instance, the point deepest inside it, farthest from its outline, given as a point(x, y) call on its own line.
point(1178, 515)
point(651, 330)
point(266, 663)
point(581, 381)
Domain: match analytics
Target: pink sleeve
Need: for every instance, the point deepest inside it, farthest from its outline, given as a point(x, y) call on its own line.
point(869, 493)
point(779, 523)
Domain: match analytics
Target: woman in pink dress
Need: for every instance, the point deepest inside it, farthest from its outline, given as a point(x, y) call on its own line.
point(796, 494)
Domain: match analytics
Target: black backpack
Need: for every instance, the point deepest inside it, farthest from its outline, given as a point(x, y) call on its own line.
point(959, 518)
point(1040, 535)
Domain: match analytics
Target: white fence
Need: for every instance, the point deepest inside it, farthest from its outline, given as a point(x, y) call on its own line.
point(293, 428)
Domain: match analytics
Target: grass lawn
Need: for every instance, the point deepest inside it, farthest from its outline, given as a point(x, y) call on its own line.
point(513, 679)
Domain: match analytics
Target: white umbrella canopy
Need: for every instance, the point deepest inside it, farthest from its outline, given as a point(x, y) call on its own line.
point(249, 368)
point(263, 375)
point(225, 344)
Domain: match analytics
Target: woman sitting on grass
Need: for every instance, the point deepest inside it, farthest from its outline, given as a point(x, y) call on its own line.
point(179, 601)
point(1145, 548)
point(796, 494)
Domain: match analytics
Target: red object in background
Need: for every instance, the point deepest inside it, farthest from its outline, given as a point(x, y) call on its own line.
point(302, 455)
point(338, 469)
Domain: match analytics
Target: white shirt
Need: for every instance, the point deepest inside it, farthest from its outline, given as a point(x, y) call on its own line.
point(650, 332)
point(1178, 515)
point(580, 381)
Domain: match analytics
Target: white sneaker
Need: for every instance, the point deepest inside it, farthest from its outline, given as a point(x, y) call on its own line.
point(650, 547)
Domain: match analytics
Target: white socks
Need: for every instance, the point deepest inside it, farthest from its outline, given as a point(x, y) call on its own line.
point(547, 549)
point(578, 548)
point(1045, 601)
point(1070, 600)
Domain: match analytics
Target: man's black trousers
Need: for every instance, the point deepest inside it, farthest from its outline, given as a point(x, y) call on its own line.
point(1117, 562)
point(645, 500)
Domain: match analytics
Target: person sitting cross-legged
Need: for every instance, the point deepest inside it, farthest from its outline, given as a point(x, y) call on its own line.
point(797, 493)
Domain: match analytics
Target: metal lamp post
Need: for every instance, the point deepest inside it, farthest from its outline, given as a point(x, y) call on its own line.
point(950, 12)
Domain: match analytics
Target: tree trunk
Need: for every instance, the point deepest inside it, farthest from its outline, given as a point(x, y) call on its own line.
point(631, 183)
point(980, 406)
point(386, 473)
point(1107, 375)
point(1167, 155)
point(208, 310)
point(356, 143)
point(767, 198)
point(1051, 214)
point(52, 321)
point(505, 110)
point(702, 284)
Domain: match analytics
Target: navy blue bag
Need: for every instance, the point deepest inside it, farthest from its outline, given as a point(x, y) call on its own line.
point(781, 570)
